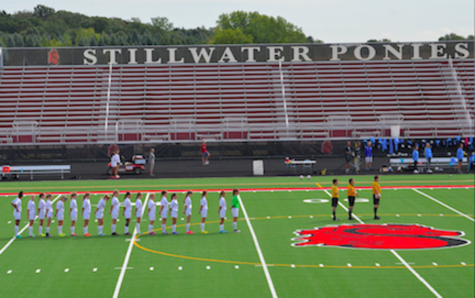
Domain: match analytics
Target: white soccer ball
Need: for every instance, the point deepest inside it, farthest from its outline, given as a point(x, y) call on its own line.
point(308, 177)
point(301, 177)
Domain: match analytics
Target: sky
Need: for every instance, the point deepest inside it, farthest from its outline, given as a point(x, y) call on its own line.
point(333, 21)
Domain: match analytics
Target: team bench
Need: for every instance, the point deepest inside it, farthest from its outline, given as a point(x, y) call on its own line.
point(36, 170)
point(304, 163)
point(422, 164)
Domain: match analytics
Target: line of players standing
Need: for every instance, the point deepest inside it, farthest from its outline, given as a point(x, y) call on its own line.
point(45, 212)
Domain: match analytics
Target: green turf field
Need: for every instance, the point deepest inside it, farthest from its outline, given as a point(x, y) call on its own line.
point(231, 265)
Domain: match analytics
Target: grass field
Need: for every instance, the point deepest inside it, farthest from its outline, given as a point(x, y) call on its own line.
point(231, 265)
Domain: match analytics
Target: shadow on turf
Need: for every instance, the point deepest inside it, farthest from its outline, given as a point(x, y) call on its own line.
point(342, 220)
point(37, 238)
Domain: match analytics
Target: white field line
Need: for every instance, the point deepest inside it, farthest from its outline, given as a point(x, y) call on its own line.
point(420, 278)
point(22, 230)
point(259, 251)
point(127, 255)
point(443, 204)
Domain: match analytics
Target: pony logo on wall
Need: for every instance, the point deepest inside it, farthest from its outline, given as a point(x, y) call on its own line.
point(53, 57)
point(380, 236)
point(327, 147)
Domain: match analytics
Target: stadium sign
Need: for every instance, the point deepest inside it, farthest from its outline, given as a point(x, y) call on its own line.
point(264, 53)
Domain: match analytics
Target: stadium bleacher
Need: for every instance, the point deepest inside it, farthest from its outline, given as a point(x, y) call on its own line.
point(235, 102)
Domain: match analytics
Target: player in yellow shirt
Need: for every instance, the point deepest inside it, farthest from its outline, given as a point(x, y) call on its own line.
point(376, 195)
point(352, 194)
point(335, 197)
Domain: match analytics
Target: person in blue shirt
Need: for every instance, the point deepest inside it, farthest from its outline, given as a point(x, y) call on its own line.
point(368, 153)
point(460, 158)
point(428, 154)
point(415, 157)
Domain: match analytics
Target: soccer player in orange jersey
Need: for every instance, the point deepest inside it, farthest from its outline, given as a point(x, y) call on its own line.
point(376, 196)
point(352, 194)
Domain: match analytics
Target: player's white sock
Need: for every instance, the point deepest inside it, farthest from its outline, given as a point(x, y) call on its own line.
point(84, 229)
point(40, 229)
point(187, 227)
point(235, 225)
point(16, 230)
point(174, 228)
point(60, 230)
point(99, 229)
point(30, 230)
point(221, 227)
point(47, 230)
point(202, 227)
point(150, 227)
point(137, 227)
point(126, 229)
point(164, 228)
point(72, 230)
point(113, 228)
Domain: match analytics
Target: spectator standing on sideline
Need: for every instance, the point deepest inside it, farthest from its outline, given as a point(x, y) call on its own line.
point(151, 161)
point(348, 156)
point(115, 163)
point(460, 158)
point(428, 155)
point(368, 153)
point(415, 157)
point(204, 154)
point(357, 156)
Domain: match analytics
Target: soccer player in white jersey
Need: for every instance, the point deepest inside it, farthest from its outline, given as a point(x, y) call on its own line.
point(31, 211)
point(222, 211)
point(41, 213)
point(49, 213)
point(16, 203)
point(187, 211)
point(115, 206)
point(73, 212)
point(100, 214)
point(174, 212)
point(127, 212)
point(86, 213)
point(235, 209)
point(151, 213)
point(164, 212)
point(138, 211)
point(203, 211)
point(60, 215)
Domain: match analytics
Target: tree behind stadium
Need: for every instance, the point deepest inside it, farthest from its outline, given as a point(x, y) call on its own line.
point(252, 27)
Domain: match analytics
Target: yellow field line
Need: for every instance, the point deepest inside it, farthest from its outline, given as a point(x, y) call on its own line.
point(288, 265)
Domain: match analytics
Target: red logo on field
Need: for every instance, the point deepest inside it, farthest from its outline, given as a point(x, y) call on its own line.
point(370, 236)
point(53, 57)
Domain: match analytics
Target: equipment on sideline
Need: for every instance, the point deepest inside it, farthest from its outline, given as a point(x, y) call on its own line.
point(135, 166)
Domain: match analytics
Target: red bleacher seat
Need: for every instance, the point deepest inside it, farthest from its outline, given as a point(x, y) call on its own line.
point(69, 104)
